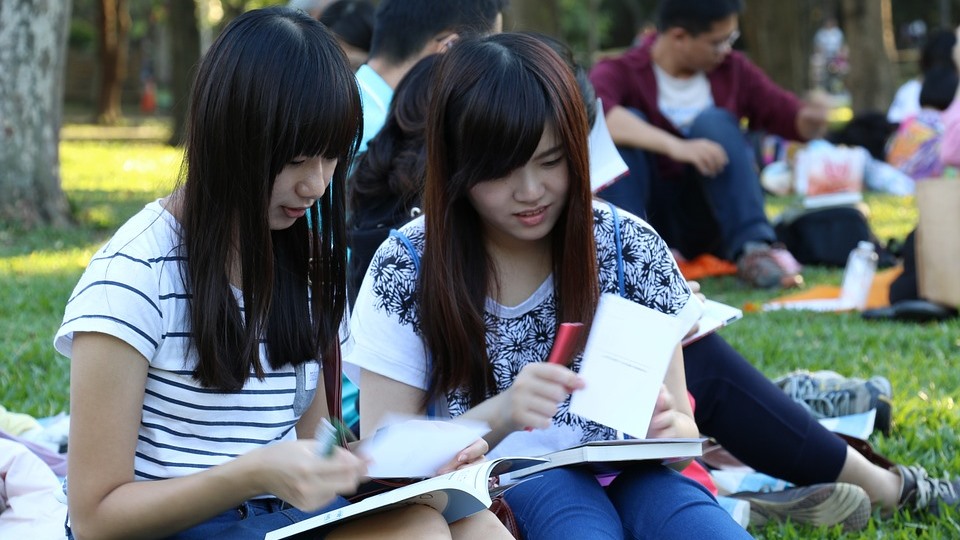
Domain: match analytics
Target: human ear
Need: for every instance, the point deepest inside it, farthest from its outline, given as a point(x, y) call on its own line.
point(447, 42)
point(677, 34)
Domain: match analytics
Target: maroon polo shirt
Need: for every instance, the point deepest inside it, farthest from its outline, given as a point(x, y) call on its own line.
point(737, 85)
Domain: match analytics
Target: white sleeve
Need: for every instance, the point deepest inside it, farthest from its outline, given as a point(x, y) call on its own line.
point(117, 295)
point(385, 320)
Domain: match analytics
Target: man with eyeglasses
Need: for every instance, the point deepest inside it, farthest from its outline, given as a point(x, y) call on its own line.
point(681, 95)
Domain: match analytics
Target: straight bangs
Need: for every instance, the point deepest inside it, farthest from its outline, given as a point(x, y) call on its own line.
point(326, 119)
point(274, 85)
point(501, 118)
point(282, 88)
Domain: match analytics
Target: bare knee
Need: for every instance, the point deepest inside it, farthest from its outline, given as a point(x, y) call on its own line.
point(414, 521)
point(480, 526)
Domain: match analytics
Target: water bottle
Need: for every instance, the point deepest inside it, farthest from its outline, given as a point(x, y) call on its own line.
point(858, 275)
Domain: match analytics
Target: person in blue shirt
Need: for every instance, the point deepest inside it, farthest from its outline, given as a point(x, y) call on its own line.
point(404, 31)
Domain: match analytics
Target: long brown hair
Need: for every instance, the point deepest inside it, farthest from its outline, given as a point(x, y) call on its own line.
point(492, 100)
point(273, 86)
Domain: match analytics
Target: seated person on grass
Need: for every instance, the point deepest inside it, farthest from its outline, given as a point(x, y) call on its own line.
point(509, 244)
point(673, 105)
point(914, 148)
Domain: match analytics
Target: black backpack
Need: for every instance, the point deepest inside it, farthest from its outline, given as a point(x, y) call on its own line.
point(825, 236)
point(367, 228)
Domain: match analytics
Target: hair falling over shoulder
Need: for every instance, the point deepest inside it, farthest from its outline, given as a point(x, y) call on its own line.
point(274, 85)
point(491, 100)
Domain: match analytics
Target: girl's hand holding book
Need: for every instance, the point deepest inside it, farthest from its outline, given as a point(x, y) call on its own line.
point(668, 421)
point(471, 455)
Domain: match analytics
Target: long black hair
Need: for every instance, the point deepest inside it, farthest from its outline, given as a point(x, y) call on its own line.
point(492, 100)
point(273, 86)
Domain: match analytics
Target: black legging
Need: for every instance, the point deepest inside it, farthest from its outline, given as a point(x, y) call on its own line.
point(755, 420)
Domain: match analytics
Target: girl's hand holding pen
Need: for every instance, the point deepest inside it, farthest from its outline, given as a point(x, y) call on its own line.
point(293, 471)
point(562, 353)
point(536, 394)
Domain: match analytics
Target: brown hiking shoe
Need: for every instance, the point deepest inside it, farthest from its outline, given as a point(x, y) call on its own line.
point(768, 267)
point(820, 504)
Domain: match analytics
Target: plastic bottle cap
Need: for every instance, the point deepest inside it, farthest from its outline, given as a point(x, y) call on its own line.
point(865, 244)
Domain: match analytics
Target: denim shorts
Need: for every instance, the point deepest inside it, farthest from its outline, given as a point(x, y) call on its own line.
point(252, 520)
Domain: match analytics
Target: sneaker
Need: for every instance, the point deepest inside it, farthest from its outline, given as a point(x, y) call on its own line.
point(817, 505)
point(827, 394)
point(768, 267)
point(924, 494)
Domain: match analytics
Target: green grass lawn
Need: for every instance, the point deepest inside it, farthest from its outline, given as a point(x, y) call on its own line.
point(106, 182)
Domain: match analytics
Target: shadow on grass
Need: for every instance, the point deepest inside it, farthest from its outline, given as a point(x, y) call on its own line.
point(96, 214)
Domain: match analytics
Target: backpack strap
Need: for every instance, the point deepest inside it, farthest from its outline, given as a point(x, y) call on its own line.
point(405, 240)
point(618, 242)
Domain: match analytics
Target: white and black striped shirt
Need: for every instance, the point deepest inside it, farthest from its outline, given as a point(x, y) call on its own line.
point(133, 290)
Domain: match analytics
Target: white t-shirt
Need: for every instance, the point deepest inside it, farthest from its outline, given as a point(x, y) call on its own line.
point(828, 41)
point(386, 325)
point(133, 290)
point(682, 100)
point(906, 102)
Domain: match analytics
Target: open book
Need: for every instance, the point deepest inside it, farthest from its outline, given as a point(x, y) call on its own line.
point(607, 456)
point(715, 316)
point(455, 495)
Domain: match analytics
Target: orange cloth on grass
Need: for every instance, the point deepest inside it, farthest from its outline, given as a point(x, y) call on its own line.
point(705, 265)
point(879, 290)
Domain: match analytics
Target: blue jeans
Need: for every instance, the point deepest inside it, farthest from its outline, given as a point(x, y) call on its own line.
point(251, 521)
point(645, 501)
point(693, 213)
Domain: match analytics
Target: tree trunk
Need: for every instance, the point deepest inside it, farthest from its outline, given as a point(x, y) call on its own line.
point(231, 10)
point(533, 15)
point(185, 40)
point(777, 36)
point(869, 31)
point(33, 36)
point(113, 24)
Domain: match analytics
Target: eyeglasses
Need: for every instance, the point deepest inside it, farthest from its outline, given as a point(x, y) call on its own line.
point(726, 45)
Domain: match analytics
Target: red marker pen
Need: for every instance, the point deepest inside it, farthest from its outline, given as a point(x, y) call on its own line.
point(564, 346)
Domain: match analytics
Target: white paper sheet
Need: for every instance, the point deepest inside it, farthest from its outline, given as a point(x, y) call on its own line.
point(822, 305)
point(625, 360)
point(417, 447)
point(606, 165)
point(716, 315)
point(858, 425)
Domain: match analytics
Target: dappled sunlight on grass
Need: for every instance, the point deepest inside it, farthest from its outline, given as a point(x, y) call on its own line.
point(39, 263)
point(119, 168)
